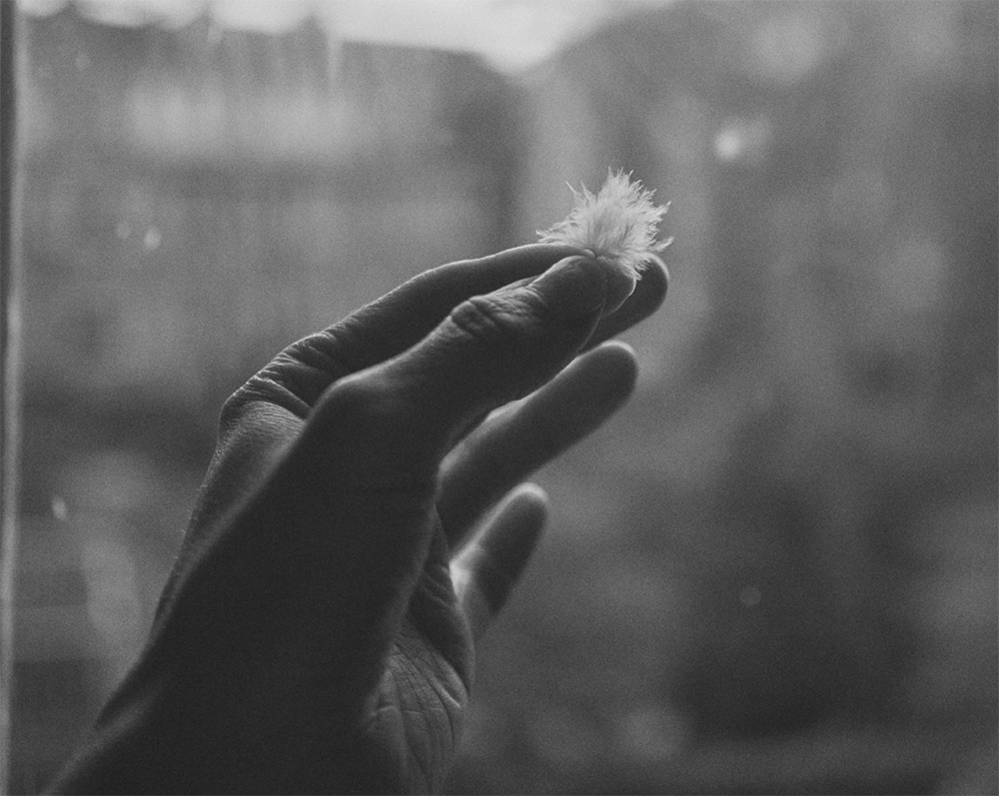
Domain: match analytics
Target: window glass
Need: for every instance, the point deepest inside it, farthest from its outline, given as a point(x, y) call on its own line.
point(774, 571)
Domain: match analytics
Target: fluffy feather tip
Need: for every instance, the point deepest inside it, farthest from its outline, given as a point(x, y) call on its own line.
point(619, 223)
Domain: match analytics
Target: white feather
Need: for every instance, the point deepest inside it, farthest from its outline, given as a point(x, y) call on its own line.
point(619, 223)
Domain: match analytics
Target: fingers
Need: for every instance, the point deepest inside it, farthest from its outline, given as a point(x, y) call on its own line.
point(650, 292)
point(298, 375)
point(361, 478)
point(511, 445)
point(362, 475)
point(491, 563)
point(491, 349)
point(349, 493)
point(355, 491)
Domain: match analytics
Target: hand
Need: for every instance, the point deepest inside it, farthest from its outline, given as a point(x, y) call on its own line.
point(317, 632)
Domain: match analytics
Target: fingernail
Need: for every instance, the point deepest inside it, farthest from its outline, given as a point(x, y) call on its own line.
point(573, 287)
point(621, 284)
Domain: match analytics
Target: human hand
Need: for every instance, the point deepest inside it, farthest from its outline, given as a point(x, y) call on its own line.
point(317, 632)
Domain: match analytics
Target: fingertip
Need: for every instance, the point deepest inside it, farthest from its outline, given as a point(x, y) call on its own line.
point(621, 282)
point(575, 287)
point(581, 284)
point(516, 524)
point(620, 287)
point(655, 276)
point(610, 373)
point(526, 511)
point(489, 566)
point(529, 497)
point(648, 296)
point(616, 358)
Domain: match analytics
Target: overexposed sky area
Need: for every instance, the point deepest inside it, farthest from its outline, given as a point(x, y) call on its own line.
point(512, 34)
point(509, 32)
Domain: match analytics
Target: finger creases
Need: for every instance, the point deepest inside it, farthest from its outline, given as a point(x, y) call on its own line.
point(495, 348)
point(396, 420)
point(386, 327)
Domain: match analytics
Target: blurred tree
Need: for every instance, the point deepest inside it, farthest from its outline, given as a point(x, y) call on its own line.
point(821, 387)
point(963, 123)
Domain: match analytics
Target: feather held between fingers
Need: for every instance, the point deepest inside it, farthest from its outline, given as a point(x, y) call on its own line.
point(620, 223)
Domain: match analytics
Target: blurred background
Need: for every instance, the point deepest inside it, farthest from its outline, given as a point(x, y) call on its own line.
point(774, 572)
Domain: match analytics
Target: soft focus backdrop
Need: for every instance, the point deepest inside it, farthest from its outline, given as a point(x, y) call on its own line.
point(774, 572)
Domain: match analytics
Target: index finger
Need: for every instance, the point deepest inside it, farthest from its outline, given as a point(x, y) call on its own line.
point(387, 326)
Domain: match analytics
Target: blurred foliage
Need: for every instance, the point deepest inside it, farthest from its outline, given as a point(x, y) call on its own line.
point(775, 572)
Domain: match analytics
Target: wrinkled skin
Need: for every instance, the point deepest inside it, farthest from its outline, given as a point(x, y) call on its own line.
point(317, 632)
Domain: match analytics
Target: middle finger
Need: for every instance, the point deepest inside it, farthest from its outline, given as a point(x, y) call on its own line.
point(512, 444)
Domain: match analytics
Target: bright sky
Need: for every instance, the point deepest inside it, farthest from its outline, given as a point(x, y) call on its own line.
point(513, 34)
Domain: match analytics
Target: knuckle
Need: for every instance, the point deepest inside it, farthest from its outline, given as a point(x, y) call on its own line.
point(232, 410)
point(495, 319)
point(366, 398)
point(374, 427)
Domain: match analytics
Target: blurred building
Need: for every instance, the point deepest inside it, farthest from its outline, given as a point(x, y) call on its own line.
point(196, 198)
point(345, 167)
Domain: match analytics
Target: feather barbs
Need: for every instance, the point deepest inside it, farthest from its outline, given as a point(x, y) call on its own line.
point(619, 223)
